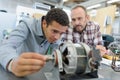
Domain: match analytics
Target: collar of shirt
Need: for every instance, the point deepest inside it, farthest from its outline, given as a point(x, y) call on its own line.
point(38, 28)
point(39, 32)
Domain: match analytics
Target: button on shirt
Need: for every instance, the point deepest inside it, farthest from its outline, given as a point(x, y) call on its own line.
point(91, 35)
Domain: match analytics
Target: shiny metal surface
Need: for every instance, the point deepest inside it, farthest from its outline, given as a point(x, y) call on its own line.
point(76, 58)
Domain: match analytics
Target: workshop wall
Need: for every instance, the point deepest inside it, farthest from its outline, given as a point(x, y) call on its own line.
point(105, 17)
point(7, 23)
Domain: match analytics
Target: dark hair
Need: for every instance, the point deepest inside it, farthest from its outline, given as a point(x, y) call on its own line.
point(79, 6)
point(58, 15)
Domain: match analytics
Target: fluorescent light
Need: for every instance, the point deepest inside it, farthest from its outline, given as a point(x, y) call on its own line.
point(94, 6)
point(112, 1)
point(65, 0)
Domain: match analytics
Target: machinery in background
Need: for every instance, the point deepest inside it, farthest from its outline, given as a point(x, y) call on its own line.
point(114, 47)
point(75, 58)
point(107, 39)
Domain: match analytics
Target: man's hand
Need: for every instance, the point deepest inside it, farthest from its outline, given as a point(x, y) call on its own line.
point(102, 49)
point(28, 63)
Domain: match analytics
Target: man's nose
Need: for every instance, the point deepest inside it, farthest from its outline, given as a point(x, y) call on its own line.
point(57, 36)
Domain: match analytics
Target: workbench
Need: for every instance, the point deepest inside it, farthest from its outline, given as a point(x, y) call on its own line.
point(105, 73)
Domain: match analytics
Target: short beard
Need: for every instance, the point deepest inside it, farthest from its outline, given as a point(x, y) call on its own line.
point(74, 30)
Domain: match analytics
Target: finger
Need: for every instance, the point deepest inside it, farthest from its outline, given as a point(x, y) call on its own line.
point(31, 55)
point(19, 66)
point(30, 68)
point(31, 62)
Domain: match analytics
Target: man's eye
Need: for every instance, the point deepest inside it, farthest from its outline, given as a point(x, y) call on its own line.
point(79, 18)
point(73, 19)
point(54, 31)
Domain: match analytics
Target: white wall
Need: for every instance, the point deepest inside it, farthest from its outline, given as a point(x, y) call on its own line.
point(7, 22)
point(10, 5)
point(116, 26)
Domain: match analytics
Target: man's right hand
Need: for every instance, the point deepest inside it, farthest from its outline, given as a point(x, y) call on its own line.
point(102, 49)
point(27, 63)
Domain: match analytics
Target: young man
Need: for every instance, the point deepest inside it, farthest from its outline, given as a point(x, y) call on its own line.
point(23, 53)
point(86, 31)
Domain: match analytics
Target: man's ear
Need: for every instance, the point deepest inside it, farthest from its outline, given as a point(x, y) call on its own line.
point(44, 23)
point(88, 17)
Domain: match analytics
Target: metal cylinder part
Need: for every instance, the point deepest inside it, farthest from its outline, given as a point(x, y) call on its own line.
point(75, 59)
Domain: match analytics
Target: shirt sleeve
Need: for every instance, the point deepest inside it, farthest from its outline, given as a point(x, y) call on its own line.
point(9, 46)
point(98, 36)
point(67, 36)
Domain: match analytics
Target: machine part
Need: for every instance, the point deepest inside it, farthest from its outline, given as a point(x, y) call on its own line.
point(56, 58)
point(96, 58)
point(89, 60)
point(76, 58)
point(73, 58)
point(54, 62)
point(114, 47)
point(49, 57)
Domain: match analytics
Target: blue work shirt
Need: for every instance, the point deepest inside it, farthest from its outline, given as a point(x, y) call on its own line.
point(27, 37)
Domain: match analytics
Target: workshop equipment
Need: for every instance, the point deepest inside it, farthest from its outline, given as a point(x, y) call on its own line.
point(115, 52)
point(74, 58)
